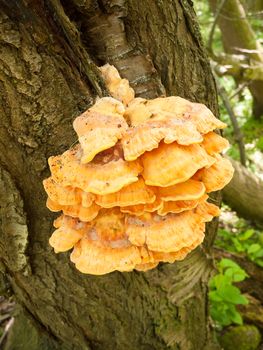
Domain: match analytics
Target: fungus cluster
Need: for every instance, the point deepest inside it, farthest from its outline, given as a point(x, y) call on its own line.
point(133, 191)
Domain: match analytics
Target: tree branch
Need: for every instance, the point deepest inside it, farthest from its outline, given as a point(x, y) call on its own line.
point(244, 194)
point(211, 34)
point(237, 132)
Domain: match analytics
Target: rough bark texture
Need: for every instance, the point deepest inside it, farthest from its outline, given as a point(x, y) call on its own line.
point(244, 193)
point(48, 56)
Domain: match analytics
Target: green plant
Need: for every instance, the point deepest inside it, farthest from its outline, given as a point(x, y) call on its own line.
point(224, 296)
point(248, 242)
point(260, 143)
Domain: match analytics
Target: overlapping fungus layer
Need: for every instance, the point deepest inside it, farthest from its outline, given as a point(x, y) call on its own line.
point(133, 191)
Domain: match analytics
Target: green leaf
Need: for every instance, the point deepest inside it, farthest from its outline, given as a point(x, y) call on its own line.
point(232, 295)
point(260, 143)
point(253, 248)
point(235, 315)
point(237, 318)
point(260, 238)
point(246, 235)
point(258, 254)
point(233, 152)
point(214, 296)
point(238, 246)
point(220, 281)
point(236, 274)
point(227, 263)
point(259, 262)
point(220, 315)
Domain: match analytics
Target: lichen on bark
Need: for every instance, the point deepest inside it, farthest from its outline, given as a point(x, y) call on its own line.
point(13, 229)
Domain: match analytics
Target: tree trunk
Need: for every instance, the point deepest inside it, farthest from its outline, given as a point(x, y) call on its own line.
point(48, 75)
point(255, 7)
point(244, 193)
point(239, 39)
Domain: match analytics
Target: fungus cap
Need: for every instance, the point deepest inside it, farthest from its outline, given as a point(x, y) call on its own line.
point(118, 88)
point(146, 266)
point(148, 135)
point(62, 195)
point(133, 194)
point(178, 255)
point(171, 164)
point(69, 231)
point(177, 207)
point(214, 143)
point(101, 176)
point(133, 191)
point(98, 132)
point(67, 195)
point(137, 112)
point(166, 234)
point(188, 190)
point(217, 175)
point(112, 106)
point(94, 257)
point(207, 211)
point(109, 225)
point(197, 113)
point(141, 209)
point(75, 211)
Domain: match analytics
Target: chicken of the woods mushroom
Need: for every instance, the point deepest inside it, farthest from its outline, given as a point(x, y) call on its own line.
point(133, 191)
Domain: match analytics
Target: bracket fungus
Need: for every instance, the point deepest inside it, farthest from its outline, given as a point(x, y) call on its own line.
point(133, 191)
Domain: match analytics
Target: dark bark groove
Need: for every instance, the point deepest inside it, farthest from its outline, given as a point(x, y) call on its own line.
point(154, 44)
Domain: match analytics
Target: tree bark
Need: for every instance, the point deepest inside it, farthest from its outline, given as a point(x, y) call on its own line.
point(48, 75)
point(255, 7)
point(244, 193)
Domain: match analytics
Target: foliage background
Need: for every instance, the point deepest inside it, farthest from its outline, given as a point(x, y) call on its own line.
point(240, 240)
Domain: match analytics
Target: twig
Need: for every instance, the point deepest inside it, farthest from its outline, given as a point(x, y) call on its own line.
point(4, 318)
point(7, 328)
point(237, 132)
point(212, 31)
point(239, 89)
